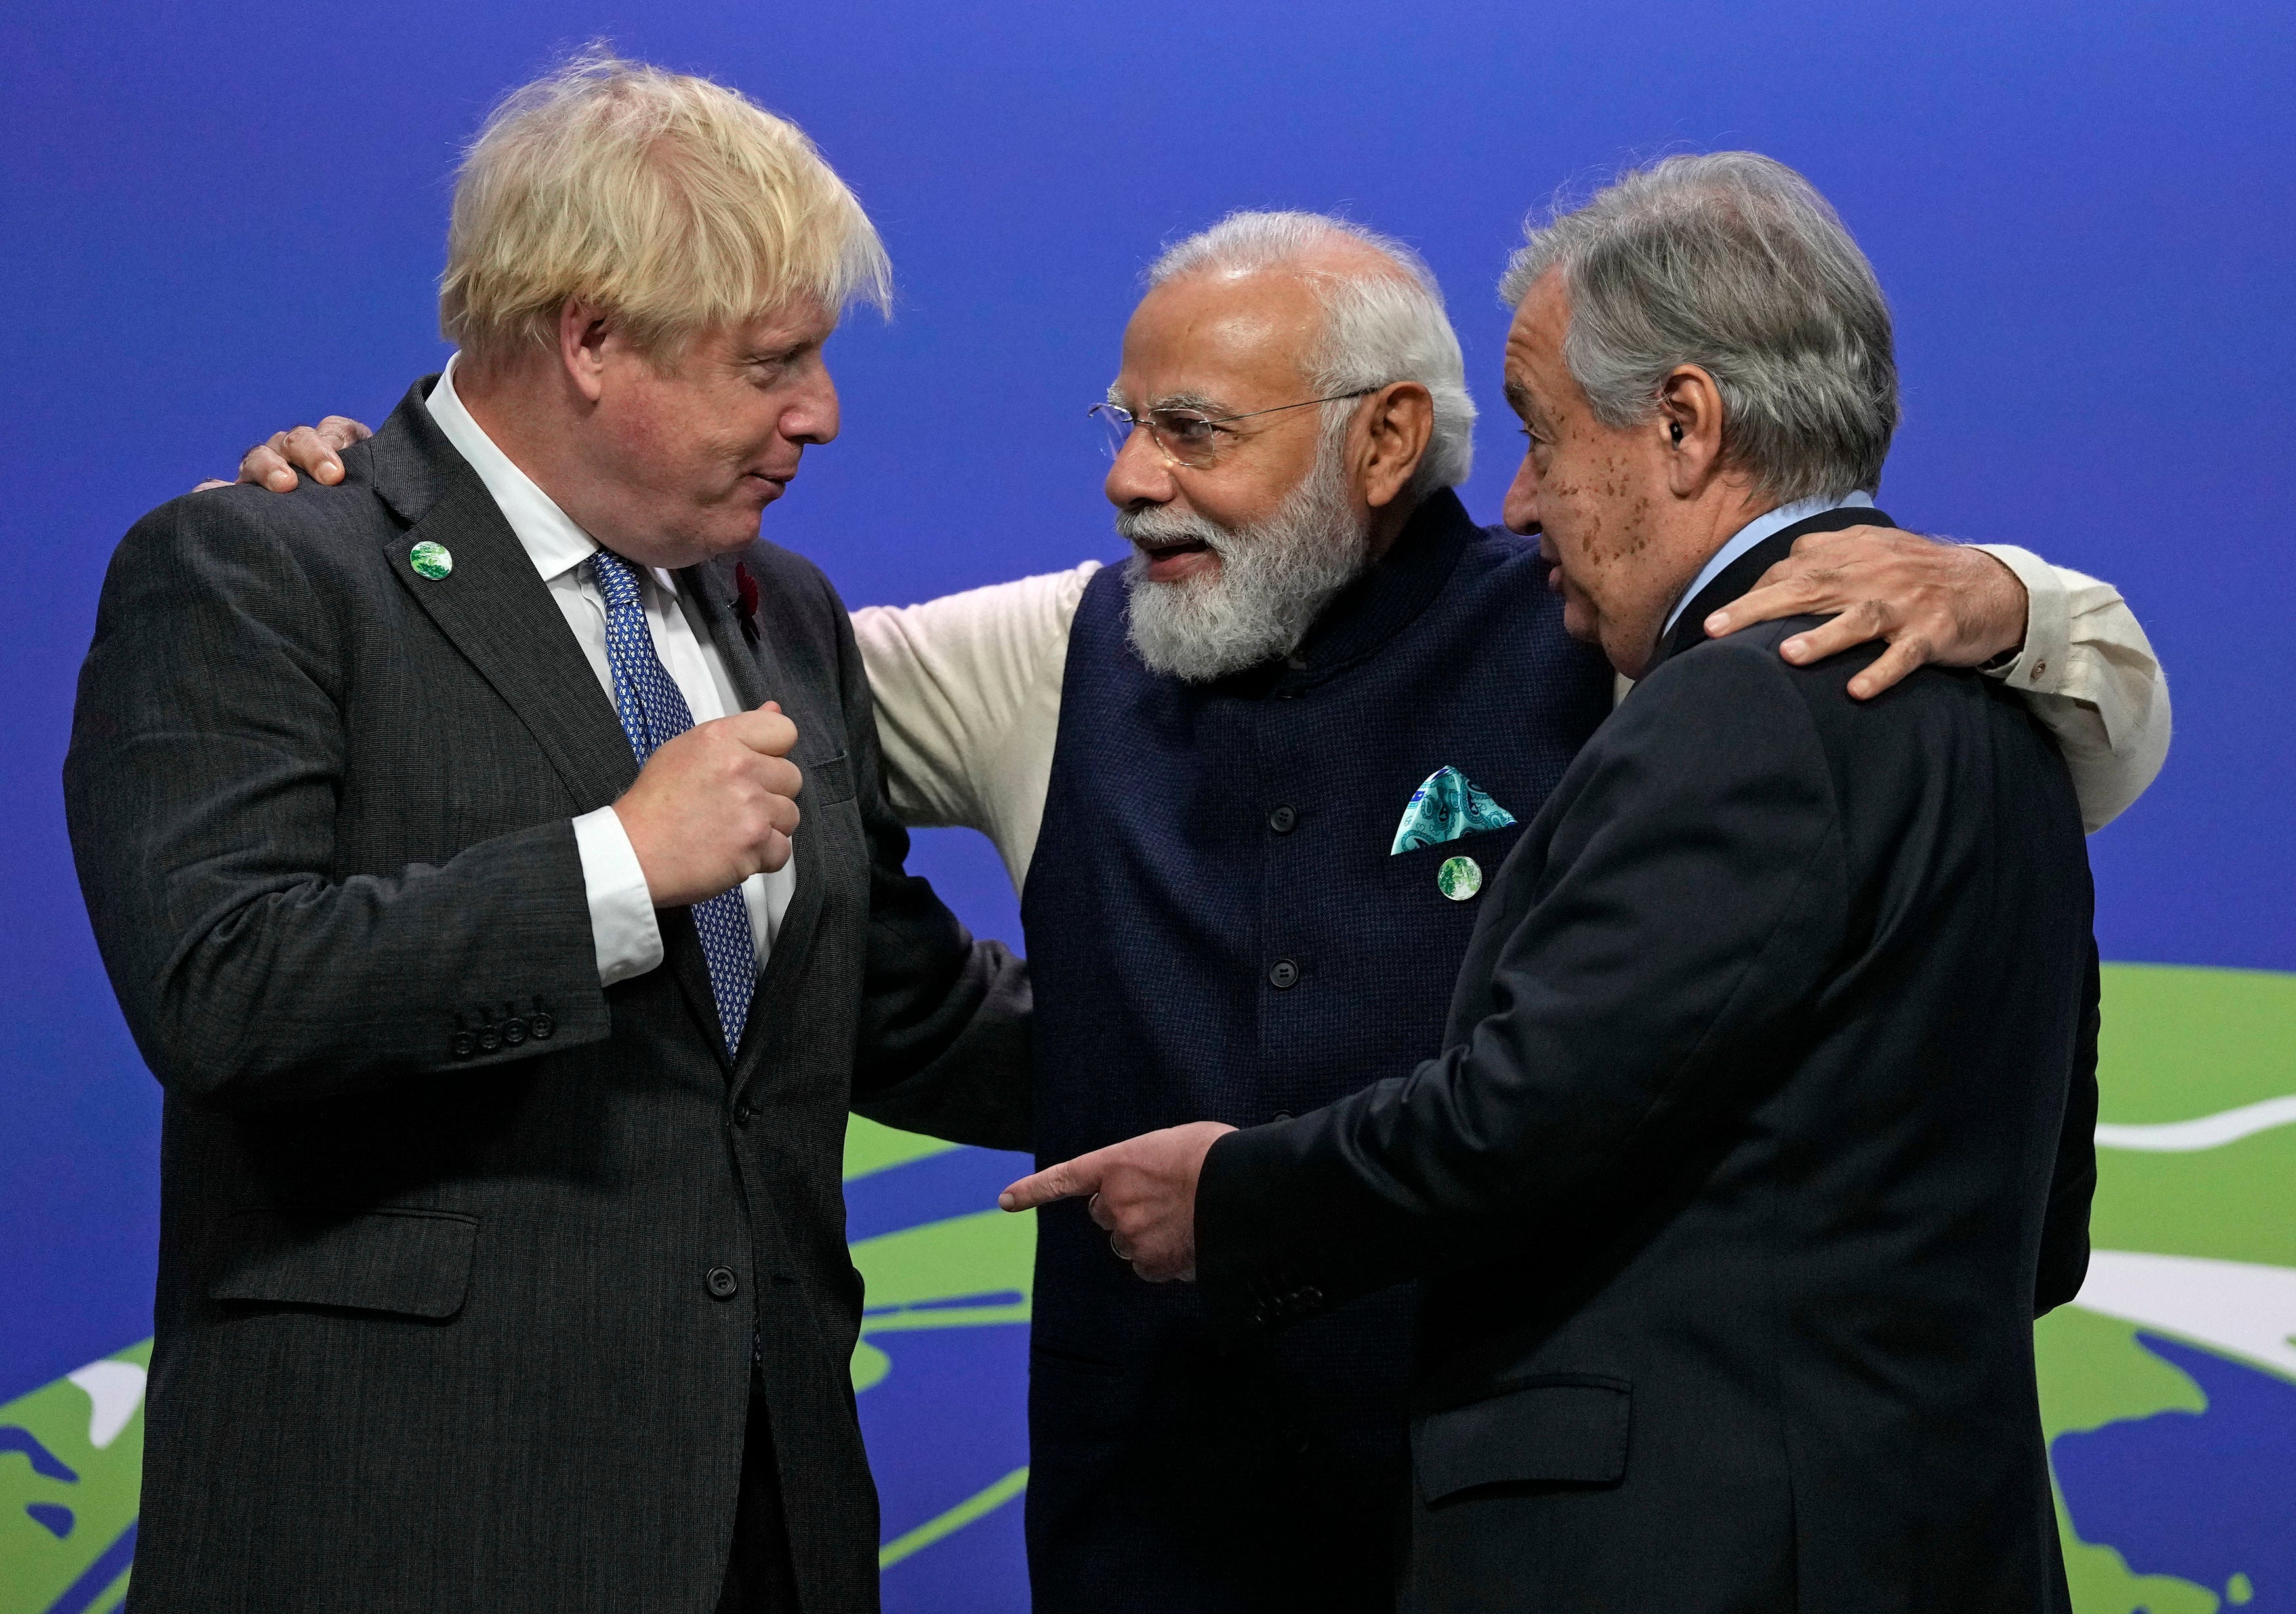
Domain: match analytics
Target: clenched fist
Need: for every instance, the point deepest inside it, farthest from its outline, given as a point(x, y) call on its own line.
point(714, 807)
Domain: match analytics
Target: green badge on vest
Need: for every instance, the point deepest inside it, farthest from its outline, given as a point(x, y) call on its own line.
point(432, 560)
point(1459, 878)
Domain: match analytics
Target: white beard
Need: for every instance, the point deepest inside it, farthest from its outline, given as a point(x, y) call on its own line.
point(1273, 580)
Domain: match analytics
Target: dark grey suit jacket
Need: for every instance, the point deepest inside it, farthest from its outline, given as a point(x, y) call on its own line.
point(461, 1255)
point(1760, 1135)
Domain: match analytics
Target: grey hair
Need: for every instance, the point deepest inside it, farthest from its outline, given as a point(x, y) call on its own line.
point(1735, 264)
point(1380, 328)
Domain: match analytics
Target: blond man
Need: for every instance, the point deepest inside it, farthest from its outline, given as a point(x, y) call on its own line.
point(489, 854)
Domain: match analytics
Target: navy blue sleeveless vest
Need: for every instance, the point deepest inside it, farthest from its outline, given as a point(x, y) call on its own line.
point(1217, 930)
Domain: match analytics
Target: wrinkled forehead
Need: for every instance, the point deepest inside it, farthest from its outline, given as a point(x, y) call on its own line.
point(1533, 364)
point(1221, 340)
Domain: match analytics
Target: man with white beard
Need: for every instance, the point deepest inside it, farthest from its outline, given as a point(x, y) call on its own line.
point(1243, 782)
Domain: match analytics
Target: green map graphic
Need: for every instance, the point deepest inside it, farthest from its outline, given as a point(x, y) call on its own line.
point(2167, 1391)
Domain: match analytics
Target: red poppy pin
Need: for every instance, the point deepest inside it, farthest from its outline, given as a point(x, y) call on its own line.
point(745, 593)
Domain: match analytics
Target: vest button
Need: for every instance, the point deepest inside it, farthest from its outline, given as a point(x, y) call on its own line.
point(1281, 820)
point(723, 1284)
point(1283, 975)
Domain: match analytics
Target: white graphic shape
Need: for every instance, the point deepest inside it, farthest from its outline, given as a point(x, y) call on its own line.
point(2204, 1132)
point(115, 1389)
point(2240, 1307)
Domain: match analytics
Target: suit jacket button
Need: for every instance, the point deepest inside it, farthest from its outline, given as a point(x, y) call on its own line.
point(1280, 1115)
point(1283, 975)
point(1311, 1296)
point(540, 1027)
point(742, 1111)
point(1264, 1313)
point(723, 1284)
point(489, 1039)
point(513, 1032)
point(1281, 820)
point(465, 1045)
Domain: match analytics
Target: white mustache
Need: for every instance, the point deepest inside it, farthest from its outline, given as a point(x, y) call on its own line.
point(1156, 525)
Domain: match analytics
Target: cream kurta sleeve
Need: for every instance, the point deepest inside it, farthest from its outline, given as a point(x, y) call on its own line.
point(2089, 674)
point(968, 696)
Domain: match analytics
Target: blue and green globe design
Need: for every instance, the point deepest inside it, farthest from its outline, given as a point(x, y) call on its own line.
point(2167, 1389)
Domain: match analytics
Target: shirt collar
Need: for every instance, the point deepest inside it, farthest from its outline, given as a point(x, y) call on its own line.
point(1753, 533)
point(552, 541)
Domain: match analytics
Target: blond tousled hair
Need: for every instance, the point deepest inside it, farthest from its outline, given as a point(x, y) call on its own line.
point(674, 202)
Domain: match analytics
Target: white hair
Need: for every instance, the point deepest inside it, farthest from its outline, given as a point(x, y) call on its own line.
point(1380, 326)
point(1734, 263)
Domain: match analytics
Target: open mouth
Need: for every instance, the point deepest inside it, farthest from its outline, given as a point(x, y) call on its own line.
point(1165, 549)
point(1169, 560)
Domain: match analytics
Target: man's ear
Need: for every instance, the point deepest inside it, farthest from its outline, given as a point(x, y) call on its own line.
point(1398, 422)
point(583, 329)
point(1689, 428)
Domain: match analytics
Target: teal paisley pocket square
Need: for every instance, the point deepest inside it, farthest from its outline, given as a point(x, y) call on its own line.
point(1444, 808)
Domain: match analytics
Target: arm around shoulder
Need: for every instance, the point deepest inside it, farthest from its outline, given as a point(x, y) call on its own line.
point(967, 689)
point(2089, 672)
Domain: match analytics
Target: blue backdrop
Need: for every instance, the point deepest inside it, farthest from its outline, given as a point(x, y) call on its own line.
point(220, 221)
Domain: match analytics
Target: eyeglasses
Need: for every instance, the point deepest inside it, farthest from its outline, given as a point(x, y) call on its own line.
point(1190, 437)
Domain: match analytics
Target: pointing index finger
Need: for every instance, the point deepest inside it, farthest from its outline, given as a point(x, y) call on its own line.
point(1065, 1180)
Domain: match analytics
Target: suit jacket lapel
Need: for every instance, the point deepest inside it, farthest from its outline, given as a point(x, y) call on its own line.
point(757, 675)
point(497, 611)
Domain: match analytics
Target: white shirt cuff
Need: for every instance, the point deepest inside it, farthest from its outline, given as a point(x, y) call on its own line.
point(621, 909)
point(2042, 665)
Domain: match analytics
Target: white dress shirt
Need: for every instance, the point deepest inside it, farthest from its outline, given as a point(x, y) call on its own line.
point(622, 921)
point(968, 695)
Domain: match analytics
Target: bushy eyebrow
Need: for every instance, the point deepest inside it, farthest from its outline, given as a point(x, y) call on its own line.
point(1199, 402)
point(1518, 396)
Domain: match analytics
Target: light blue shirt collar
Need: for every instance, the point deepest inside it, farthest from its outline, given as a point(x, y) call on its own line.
point(1753, 533)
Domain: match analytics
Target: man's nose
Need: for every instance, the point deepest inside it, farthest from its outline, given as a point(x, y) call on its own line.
point(1519, 510)
point(1140, 475)
point(812, 416)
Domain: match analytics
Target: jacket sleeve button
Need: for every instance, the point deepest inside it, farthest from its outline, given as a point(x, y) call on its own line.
point(723, 1284)
point(489, 1039)
point(513, 1032)
point(465, 1045)
point(540, 1026)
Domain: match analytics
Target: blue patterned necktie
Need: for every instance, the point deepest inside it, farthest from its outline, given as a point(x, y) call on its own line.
point(653, 713)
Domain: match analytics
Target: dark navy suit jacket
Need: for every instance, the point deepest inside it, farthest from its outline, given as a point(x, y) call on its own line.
point(1760, 1134)
point(1217, 929)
